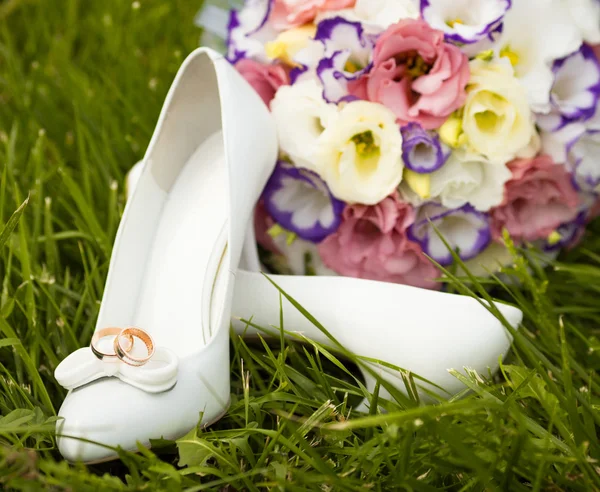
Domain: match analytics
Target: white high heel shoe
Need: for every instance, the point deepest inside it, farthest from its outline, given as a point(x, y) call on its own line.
point(172, 269)
point(424, 332)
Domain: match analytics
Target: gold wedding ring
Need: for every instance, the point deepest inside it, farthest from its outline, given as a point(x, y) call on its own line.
point(123, 353)
point(109, 332)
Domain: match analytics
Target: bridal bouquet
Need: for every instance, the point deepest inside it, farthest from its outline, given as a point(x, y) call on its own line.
point(399, 119)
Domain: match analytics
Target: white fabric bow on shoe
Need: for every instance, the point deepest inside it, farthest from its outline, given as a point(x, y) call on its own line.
point(82, 367)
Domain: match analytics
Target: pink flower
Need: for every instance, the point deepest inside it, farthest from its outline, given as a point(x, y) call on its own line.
point(537, 199)
point(415, 74)
point(293, 13)
point(265, 79)
point(371, 243)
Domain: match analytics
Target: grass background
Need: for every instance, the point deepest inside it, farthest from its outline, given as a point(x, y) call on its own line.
point(81, 85)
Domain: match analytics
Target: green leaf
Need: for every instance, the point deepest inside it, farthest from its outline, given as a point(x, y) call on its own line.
point(12, 223)
point(193, 450)
point(534, 388)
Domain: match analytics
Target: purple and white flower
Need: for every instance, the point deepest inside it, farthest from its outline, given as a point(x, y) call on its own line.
point(583, 157)
point(464, 21)
point(533, 50)
point(307, 60)
point(422, 151)
point(576, 90)
point(466, 231)
point(248, 31)
point(347, 56)
point(300, 201)
point(586, 15)
point(376, 15)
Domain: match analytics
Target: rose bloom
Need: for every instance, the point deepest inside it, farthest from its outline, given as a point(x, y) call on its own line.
point(371, 243)
point(416, 74)
point(538, 199)
point(360, 154)
point(497, 118)
point(265, 79)
point(293, 13)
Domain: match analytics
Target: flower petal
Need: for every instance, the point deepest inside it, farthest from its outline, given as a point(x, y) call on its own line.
point(421, 150)
point(465, 230)
point(248, 31)
point(465, 22)
point(300, 201)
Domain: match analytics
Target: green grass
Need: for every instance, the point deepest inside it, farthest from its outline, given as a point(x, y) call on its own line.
point(81, 85)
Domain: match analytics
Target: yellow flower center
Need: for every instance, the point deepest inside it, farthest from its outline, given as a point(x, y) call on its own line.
point(492, 113)
point(487, 121)
point(367, 152)
point(365, 143)
point(452, 23)
point(512, 56)
point(417, 66)
point(352, 67)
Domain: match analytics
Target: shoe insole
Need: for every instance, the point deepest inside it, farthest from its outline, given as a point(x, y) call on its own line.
point(170, 299)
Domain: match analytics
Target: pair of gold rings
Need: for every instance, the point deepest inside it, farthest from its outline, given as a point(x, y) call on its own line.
point(124, 339)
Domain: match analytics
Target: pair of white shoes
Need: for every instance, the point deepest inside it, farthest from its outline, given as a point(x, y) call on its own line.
point(184, 263)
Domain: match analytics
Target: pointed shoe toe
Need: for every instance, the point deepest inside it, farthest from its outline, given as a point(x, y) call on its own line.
point(92, 425)
point(425, 332)
point(109, 413)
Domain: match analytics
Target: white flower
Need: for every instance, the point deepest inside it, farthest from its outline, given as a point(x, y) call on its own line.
point(464, 21)
point(497, 120)
point(360, 154)
point(301, 116)
point(377, 15)
point(465, 178)
point(586, 15)
point(470, 179)
point(495, 257)
point(383, 13)
point(302, 257)
point(535, 34)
